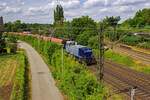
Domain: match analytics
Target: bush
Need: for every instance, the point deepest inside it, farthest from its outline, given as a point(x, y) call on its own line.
point(12, 47)
point(131, 40)
point(93, 42)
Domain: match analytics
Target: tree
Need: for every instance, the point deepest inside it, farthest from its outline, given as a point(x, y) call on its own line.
point(58, 14)
point(113, 22)
point(84, 23)
point(8, 27)
point(93, 42)
point(140, 20)
point(17, 26)
point(84, 37)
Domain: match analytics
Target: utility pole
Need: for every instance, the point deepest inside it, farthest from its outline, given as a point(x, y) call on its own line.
point(62, 59)
point(101, 53)
point(133, 93)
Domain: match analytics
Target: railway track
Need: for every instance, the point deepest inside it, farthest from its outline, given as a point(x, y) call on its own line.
point(144, 58)
point(123, 79)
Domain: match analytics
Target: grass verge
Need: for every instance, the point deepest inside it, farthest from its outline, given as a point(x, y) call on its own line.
point(125, 60)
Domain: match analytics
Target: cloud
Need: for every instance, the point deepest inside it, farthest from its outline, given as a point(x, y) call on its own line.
point(129, 2)
point(70, 4)
point(5, 8)
point(93, 3)
point(9, 10)
point(2, 6)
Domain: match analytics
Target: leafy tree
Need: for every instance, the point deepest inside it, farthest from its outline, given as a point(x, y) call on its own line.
point(140, 20)
point(84, 23)
point(84, 37)
point(113, 22)
point(8, 27)
point(93, 42)
point(16, 26)
point(35, 28)
point(58, 14)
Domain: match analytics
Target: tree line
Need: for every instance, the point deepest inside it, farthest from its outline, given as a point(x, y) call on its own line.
point(35, 28)
point(140, 20)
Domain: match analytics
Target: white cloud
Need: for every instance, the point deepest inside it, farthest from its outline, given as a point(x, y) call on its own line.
point(129, 2)
point(11, 10)
point(92, 3)
point(70, 4)
point(2, 6)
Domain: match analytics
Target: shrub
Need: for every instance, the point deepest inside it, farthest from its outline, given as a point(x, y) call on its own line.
point(12, 47)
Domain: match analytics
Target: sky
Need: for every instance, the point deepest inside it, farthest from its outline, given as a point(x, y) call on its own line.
point(41, 11)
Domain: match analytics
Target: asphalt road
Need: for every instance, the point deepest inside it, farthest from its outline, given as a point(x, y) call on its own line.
point(43, 84)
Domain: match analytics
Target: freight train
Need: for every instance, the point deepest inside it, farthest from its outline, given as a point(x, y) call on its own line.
point(84, 54)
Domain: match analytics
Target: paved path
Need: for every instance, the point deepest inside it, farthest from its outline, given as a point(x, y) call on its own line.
point(43, 84)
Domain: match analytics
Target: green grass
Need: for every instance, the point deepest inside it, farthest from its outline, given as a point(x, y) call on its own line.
point(125, 60)
point(119, 58)
point(12, 72)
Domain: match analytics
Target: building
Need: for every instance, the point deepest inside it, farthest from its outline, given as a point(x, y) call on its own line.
point(1, 24)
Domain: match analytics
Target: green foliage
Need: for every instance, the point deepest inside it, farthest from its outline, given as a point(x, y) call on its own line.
point(119, 58)
point(58, 14)
point(145, 45)
point(19, 83)
point(35, 28)
point(73, 78)
point(11, 43)
point(2, 43)
point(12, 47)
point(140, 20)
point(84, 37)
point(132, 40)
point(112, 21)
point(93, 42)
point(84, 23)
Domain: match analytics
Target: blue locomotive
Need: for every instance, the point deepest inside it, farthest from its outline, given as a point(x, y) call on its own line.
point(82, 53)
